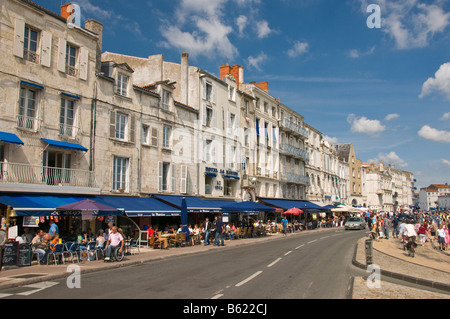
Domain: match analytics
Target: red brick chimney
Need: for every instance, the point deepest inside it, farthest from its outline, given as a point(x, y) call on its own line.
point(66, 12)
point(235, 71)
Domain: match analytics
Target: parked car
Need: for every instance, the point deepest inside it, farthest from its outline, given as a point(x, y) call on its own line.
point(355, 223)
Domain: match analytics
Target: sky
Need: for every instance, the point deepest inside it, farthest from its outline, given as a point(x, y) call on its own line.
point(375, 73)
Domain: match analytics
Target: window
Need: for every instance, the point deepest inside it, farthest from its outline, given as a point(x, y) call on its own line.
point(30, 45)
point(165, 100)
point(71, 58)
point(209, 117)
point(166, 177)
point(231, 123)
point(246, 136)
point(27, 117)
point(120, 173)
point(121, 126)
point(145, 134)
point(66, 118)
point(231, 93)
point(209, 91)
point(245, 107)
point(56, 167)
point(167, 132)
point(122, 84)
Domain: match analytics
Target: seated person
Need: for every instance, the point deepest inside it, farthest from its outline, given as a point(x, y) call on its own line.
point(115, 239)
point(39, 244)
point(100, 239)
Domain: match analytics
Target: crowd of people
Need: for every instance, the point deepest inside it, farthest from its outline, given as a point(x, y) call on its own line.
point(424, 226)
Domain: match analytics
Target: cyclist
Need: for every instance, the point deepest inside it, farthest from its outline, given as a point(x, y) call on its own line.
point(115, 240)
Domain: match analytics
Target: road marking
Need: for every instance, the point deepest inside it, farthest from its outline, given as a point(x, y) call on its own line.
point(217, 296)
point(288, 253)
point(324, 237)
point(299, 246)
point(312, 241)
point(37, 287)
point(274, 262)
point(249, 278)
point(5, 295)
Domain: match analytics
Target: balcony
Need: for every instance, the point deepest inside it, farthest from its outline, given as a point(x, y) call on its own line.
point(293, 128)
point(294, 151)
point(68, 130)
point(14, 173)
point(28, 123)
point(294, 178)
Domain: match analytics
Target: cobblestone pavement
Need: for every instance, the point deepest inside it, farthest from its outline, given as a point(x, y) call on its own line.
point(428, 265)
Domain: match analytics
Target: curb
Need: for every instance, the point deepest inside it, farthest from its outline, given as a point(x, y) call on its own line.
point(407, 278)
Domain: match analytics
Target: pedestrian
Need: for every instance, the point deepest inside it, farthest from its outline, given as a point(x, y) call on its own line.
point(441, 237)
point(220, 232)
point(207, 230)
point(447, 236)
point(284, 223)
point(386, 227)
point(422, 234)
point(54, 229)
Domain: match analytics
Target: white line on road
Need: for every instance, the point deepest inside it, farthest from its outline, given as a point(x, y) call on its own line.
point(249, 278)
point(217, 296)
point(312, 241)
point(324, 237)
point(273, 263)
point(290, 251)
point(299, 246)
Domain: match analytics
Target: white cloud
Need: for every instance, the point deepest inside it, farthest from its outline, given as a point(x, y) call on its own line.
point(445, 162)
point(200, 29)
point(440, 82)
point(241, 22)
point(256, 61)
point(433, 134)
point(299, 48)
point(332, 140)
point(262, 29)
point(391, 116)
point(355, 53)
point(410, 23)
point(364, 125)
point(446, 116)
point(390, 158)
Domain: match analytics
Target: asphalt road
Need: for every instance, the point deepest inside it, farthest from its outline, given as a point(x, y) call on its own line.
point(308, 266)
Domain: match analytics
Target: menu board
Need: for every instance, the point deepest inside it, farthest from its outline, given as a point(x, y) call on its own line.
point(25, 254)
point(10, 254)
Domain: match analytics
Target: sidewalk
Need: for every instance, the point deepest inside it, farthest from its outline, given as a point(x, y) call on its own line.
point(429, 266)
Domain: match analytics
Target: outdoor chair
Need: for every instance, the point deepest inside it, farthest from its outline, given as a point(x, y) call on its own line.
point(58, 252)
point(73, 250)
point(175, 241)
point(133, 245)
point(91, 248)
point(183, 242)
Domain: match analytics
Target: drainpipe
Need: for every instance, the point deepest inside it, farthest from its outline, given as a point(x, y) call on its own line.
point(93, 127)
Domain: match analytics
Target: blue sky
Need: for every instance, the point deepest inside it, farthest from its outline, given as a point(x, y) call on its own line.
point(386, 90)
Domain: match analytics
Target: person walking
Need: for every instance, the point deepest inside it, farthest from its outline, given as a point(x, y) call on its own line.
point(441, 237)
point(220, 231)
point(207, 228)
point(284, 223)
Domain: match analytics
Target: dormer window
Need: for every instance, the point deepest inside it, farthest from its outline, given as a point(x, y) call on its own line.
point(122, 84)
point(165, 100)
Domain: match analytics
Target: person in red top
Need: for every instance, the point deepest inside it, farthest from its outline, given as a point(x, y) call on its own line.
point(422, 233)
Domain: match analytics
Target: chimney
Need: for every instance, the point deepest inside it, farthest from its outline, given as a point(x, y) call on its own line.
point(184, 86)
point(71, 12)
point(225, 70)
point(236, 71)
point(97, 28)
point(263, 86)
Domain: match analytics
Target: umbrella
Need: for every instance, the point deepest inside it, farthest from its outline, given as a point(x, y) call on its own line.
point(87, 205)
point(293, 211)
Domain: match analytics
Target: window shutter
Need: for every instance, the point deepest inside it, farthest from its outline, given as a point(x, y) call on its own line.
point(84, 63)
point(203, 88)
point(172, 169)
point(160, 176)
point(204, 114)
point(214, 115)
point(61, 63)
point(19, 31)
point(46, 48)
point(154, 136)
point(132, 128)
point(183, 179)
point(112, 124)
point(214, 96)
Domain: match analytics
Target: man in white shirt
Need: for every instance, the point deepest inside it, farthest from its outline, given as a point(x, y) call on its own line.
point(114, 240)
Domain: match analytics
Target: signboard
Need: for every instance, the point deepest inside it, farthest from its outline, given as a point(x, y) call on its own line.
point(25, 254)
point(30, 221)
point(10, 253)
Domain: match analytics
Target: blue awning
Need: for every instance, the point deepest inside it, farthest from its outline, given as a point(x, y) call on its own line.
point(37, 205)
point(65, 145)
point(6, 137)
point(231, 177)
point(194, 204)
point(210, 174)
point(139, 206)
point(288, 204)
point(248, 207)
